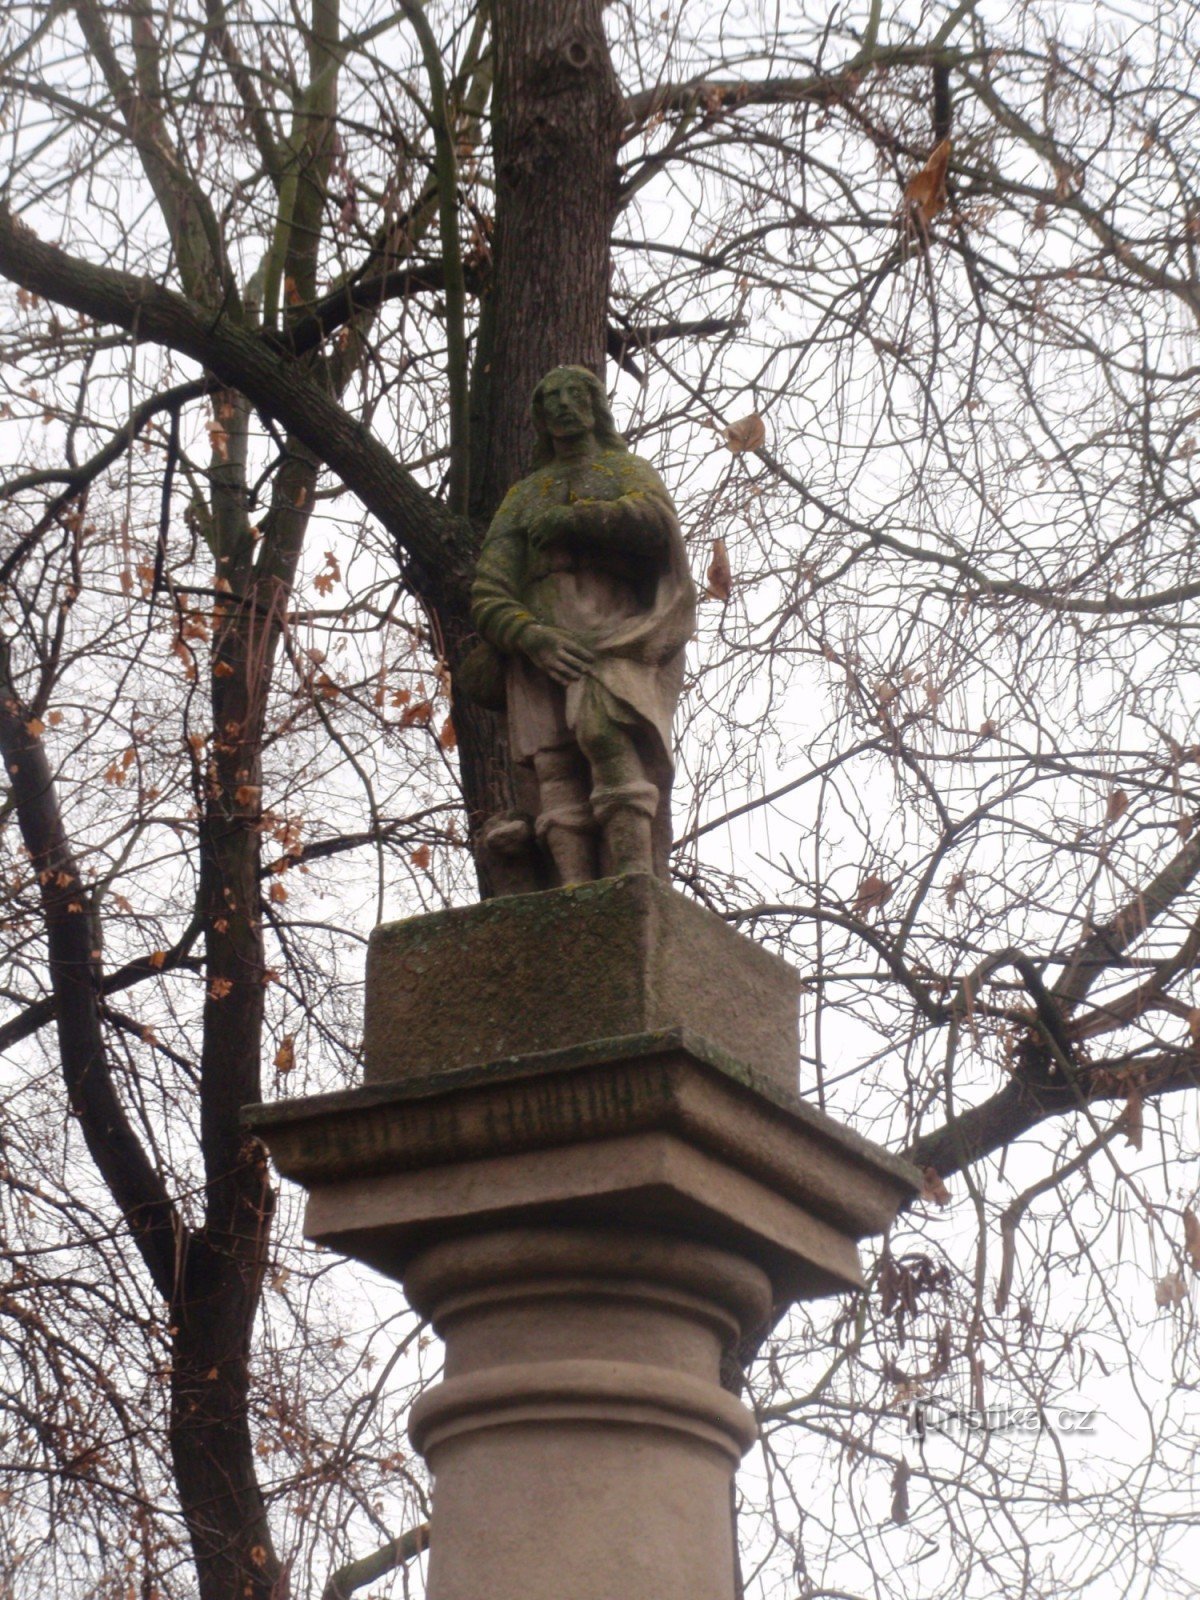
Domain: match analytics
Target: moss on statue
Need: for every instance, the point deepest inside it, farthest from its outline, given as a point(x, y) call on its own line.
point(583, 592)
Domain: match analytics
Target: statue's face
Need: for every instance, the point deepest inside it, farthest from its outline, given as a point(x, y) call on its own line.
point(566, 404)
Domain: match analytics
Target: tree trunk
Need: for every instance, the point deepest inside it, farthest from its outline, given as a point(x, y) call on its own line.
point(220, 1278)
point(211, 1447)
point(557, 115)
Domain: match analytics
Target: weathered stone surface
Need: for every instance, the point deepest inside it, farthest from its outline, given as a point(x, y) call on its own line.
point(584, 591)
point(582, 1151)
point(582, 1445)
point(389, 1166)
point(537, 972)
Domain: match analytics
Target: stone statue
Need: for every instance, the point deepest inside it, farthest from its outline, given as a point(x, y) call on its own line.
point(583, 588)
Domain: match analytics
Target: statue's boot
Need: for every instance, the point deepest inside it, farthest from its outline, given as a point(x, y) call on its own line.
point(565, 825)
point(626, 817)
point(572, 850)
point(627, 843)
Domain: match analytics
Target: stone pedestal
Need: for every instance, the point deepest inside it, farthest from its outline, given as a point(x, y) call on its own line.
point(581, 1149)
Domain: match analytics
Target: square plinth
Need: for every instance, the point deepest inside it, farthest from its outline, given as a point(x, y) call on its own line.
point(531, 973)
point(652, 1130)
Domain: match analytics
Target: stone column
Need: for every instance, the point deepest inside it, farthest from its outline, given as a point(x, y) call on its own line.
point(581, 1443)
point(581, 1149)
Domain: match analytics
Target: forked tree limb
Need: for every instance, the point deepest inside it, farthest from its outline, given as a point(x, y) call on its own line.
point(1021, 1105)
point(437, 543)
point(67, 908)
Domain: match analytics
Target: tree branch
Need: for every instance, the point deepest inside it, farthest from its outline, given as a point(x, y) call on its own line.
point(1099, 949)
point(446, 168)
point(823, 88)
point(395, 1553)
point(1022, 1104)
point(78, 478)
point(37, 1014)
point(69, 916)
point(437, 543)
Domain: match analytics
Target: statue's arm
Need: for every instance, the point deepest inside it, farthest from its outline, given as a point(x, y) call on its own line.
point(497, 609)
point(639, 523)
point(501, 615)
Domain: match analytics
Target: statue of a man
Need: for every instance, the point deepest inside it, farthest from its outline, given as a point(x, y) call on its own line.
point(583, 587)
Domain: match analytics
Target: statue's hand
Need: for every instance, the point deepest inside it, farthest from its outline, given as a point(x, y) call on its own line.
point(552, 527)
point(558, 653)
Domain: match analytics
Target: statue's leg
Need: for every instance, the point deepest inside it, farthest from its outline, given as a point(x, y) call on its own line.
point(623, 800)
point(565, 820)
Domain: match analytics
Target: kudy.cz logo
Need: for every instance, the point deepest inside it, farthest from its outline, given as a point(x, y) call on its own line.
point(937, 1416)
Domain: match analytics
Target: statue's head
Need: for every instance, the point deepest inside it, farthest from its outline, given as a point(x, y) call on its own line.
point(567, 402)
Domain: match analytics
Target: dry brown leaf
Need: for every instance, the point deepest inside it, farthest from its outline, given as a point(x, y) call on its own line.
point(329, 574)
point(926, 190)
point(277, 894)
point(185, 655)
point(988, 729)
point(900, 1479)
point(35, 727)
point(954, 888)
point(933, 1188)
point(448, 737)
point(219, 988)
point(1131, 1119)
point(156, 958)
point(747, 433)
point(873, 892)
point(218, 438)
point(719, 575)
point(1169, 1291)
point(247, 794)
point(1191, 1237)
point(420, 857)
point(417, 715)
point(1183, 827)
point(1118, 805)
point(285, 1056)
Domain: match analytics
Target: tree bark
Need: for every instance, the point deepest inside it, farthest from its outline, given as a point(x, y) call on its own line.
point(436, 544)
point(557, 118)
point(74, 958)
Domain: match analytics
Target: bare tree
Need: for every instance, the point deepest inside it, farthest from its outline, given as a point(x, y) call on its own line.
point(905, 303)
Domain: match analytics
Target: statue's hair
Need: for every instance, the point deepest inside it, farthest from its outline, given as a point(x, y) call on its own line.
point(606, 428)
